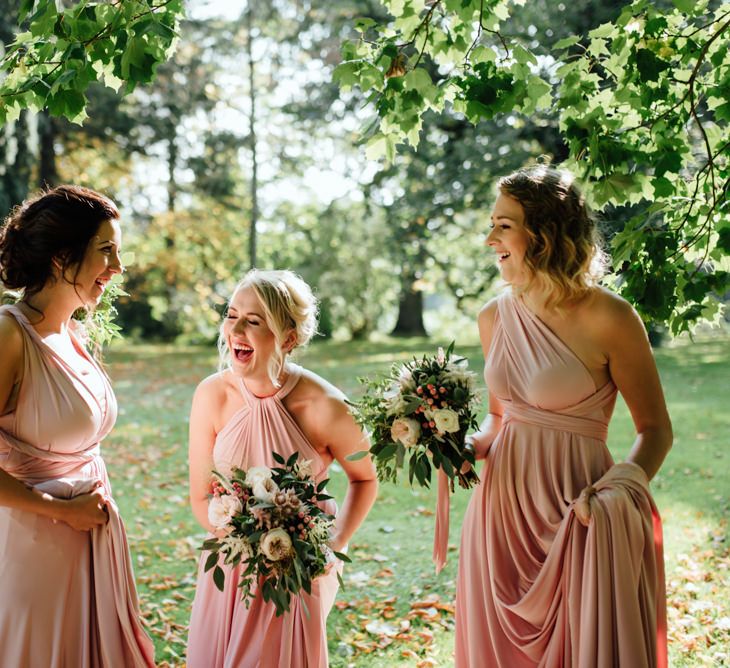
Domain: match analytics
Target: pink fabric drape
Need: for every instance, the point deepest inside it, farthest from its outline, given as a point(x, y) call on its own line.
point(68, 597)
point(536, 587)
point(224, 633)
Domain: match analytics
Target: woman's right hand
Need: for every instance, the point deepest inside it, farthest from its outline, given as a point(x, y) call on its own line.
point(86, 511)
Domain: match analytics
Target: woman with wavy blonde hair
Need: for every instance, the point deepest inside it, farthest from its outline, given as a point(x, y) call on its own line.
point(561, 562)
point(258, 403)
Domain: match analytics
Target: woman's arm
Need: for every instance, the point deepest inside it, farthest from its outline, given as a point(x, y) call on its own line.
point(482, 440)
point(633, 370)
point(82, 512)
point(342, 436)
point(11, 369)
point(488, 430)
point(200, 450)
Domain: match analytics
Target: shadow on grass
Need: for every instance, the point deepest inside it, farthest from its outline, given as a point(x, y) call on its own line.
point(392, 568)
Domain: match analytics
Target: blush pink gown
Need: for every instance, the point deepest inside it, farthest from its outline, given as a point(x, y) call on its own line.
point(535, 587)
point(224, 633)
point(67, 597)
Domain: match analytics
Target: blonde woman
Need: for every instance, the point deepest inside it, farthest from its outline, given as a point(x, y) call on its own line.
point(561, 560)
point(258, 403)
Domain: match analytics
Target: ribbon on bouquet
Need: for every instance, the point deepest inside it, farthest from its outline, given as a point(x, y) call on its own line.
point(441, 530)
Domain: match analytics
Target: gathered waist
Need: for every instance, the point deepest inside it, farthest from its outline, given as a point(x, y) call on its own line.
point(577, 424)
point(33, 465)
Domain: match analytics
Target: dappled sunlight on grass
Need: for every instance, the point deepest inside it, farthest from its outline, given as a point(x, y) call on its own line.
point(394, 610)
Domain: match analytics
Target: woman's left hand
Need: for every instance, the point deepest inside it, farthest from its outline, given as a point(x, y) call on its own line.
point(582, 505)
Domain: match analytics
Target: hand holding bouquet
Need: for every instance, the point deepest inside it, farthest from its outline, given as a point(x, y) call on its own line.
point(270, 523)
point(421, 414)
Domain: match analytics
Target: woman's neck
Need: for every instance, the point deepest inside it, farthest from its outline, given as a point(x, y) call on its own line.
point(261, 385)
point(535, 298)
point(50, 309)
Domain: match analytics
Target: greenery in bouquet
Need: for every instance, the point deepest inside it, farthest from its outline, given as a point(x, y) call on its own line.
point(419, 417)
point(268, 520)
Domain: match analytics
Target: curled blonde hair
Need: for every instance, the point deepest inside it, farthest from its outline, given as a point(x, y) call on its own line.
point(564, 254)
point(289, 306)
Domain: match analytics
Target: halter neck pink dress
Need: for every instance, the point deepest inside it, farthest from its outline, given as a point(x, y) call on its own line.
point(224, 633)
point(536, 587)
point(67, 597)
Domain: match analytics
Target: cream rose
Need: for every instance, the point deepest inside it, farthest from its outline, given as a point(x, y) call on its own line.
point(221, 509)
point(405, 431)
point(304, 469)
point(394, 400)
point(256, 474)
point(265, 490)
point(276, 545)
point(447, 421)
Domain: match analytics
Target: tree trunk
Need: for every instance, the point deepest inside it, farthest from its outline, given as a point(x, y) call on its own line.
point(47, 169)
point(252, 136)
point(172, 152)
point(15, 163)
point(410, 310)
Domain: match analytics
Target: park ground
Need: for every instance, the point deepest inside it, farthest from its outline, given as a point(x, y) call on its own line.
point(394, 611)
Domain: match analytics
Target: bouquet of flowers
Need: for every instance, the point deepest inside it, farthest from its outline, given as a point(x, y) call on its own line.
point(420, 414)
point(273, 527)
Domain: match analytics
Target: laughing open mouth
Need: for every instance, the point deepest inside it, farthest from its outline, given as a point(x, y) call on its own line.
point(503, 256)
point(242, 352)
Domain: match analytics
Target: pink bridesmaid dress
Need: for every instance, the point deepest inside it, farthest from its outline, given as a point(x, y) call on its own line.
point(536, 587)
point(224, 633)
point(67, 597)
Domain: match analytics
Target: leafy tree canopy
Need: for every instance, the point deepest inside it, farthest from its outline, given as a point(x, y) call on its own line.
point(60, 52)
point(643, 103)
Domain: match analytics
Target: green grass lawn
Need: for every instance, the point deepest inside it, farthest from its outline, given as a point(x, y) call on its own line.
point(394, 610)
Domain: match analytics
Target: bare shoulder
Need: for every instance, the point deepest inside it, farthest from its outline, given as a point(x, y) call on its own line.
point(213, 389)
point(318, 405)
point(322, 412)
point(488, 313)
point(609, 316)
point(485, 320)
point(317, 394)
point(11, 337)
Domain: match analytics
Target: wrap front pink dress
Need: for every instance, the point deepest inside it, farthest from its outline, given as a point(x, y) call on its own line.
point(67, 597)
point(536, 587)
point(224, 633)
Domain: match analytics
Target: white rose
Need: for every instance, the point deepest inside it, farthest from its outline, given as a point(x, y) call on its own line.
point(276, 544)
point(256, 474)
point(221, 509)
point(405, 431)
point(265, 490)
point(304, 469)
point(395, 405)
point(392, 392)
point(447, 421)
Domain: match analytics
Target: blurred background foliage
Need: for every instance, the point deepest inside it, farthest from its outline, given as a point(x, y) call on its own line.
point(243, 151)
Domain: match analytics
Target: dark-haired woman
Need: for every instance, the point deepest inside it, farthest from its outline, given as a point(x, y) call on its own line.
point(561, 562)
point(67, 594)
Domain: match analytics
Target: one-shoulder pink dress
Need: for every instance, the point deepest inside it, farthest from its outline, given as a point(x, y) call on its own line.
point(224, 633)
point(67, 597)
point(536, 587)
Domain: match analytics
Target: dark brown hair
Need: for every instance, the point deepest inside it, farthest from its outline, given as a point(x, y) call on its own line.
point(56, 224)
point(564, 251)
